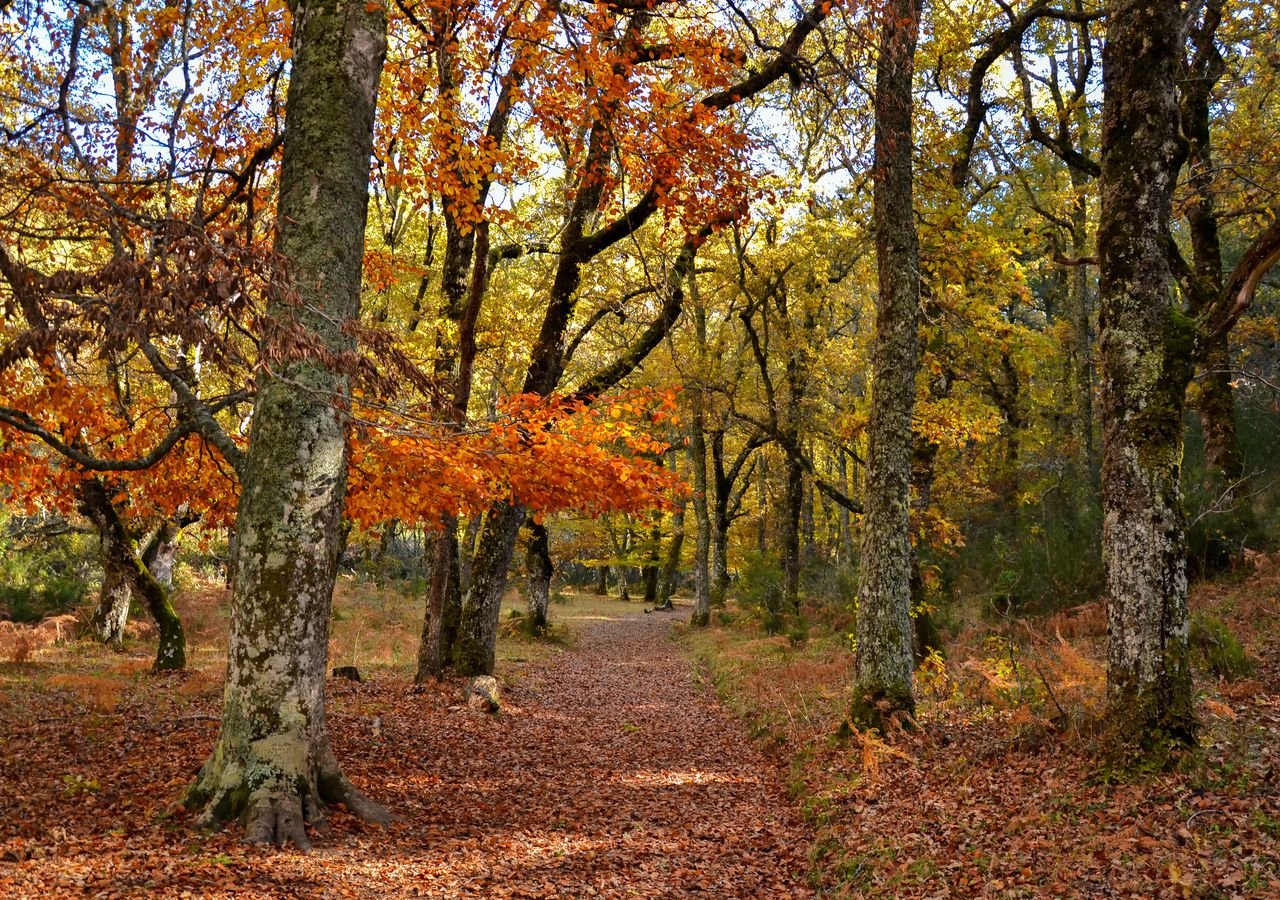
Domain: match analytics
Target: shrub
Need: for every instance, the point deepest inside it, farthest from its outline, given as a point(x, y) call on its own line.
point(1223, 653)
point(760, 589)
point(45, 569)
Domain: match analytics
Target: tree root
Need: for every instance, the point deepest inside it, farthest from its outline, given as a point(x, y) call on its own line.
point(280, 807)
point(279, 820)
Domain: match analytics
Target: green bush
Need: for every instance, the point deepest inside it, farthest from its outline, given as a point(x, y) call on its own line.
point(45, 569)
point(760, 590)
point(1045, 556)
point(1223, 653)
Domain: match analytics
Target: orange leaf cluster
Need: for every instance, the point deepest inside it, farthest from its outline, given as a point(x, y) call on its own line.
point(546, 453)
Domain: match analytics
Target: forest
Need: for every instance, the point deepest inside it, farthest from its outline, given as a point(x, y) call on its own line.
point(612, 448)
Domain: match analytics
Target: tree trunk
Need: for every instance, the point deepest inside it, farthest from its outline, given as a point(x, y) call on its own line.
point(272, 766)
point(762, 491)
point(602, 581)
point(651, 571)
point(467, 552)
point(1214, 400)
point(809, 520)
point(439, 622)
point(124, 566)
point(112, 613)
point(161, 552)
point(624, 586)
point(884, 666)
point(1080, 349)
point(671, 565)
point(698, 463)
point(539, 567)
point(842, 513)
point(1217, 408)
point(229, 579)
point(474, 651)
point(1145, 356)
point(792, 515)
point(452, 618)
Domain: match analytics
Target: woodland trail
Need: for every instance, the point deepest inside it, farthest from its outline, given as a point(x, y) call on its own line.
point(610, 772)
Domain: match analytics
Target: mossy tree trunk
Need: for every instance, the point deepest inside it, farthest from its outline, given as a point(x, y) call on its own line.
point(539, 568)
point(440, 620)
point(652, 570)
point(1214, 398)
point(272, 767)
point(701, 513)
point(1145, 356)
point(671, 565)
point(883, 687)
point(124, 567)
point(475, 650)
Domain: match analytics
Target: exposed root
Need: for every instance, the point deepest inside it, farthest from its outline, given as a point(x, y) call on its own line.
point(276, 806)
point(275, 819)
point(335, 789)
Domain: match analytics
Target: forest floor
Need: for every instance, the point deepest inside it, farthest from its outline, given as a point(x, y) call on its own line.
point(610, 771)
point(1002, 791)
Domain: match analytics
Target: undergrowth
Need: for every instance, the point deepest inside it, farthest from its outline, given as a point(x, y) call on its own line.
point(1015, 706)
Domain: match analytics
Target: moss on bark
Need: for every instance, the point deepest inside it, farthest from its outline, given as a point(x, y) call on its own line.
point(1146, 351)
point(883, 687)
point(272, 767)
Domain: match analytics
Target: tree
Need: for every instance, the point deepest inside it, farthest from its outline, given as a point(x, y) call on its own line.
point(1146, 345)
point(883, 687)
point(674, 170)
point(98, 381)
point(539, 566)
point(272, 766)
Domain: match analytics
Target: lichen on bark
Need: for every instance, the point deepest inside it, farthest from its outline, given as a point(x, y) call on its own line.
point(1146, 347)
point(474, 650)
point(883, 689)
point(272, 767)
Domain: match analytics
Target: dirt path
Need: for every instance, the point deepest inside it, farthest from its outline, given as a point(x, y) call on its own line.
point(607, 771)
point(610, 772)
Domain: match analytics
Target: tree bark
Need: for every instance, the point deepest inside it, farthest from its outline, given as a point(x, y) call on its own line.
point(467, 552)
point(540, 569)
point(1080, 348)
point(124, 567)
point(440, 619)
point(1214, 399)
point(883, 689)
point(652, 570)
point(112, 613)
point(698, 463)
point(1216, 404)
point(161, 552)
point(842, 514)
point(475, 650)
point(762, 502)
point(1146, 347)
point(272, 766)
point(671, 565)
point(721, 497)
point(792, 514)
